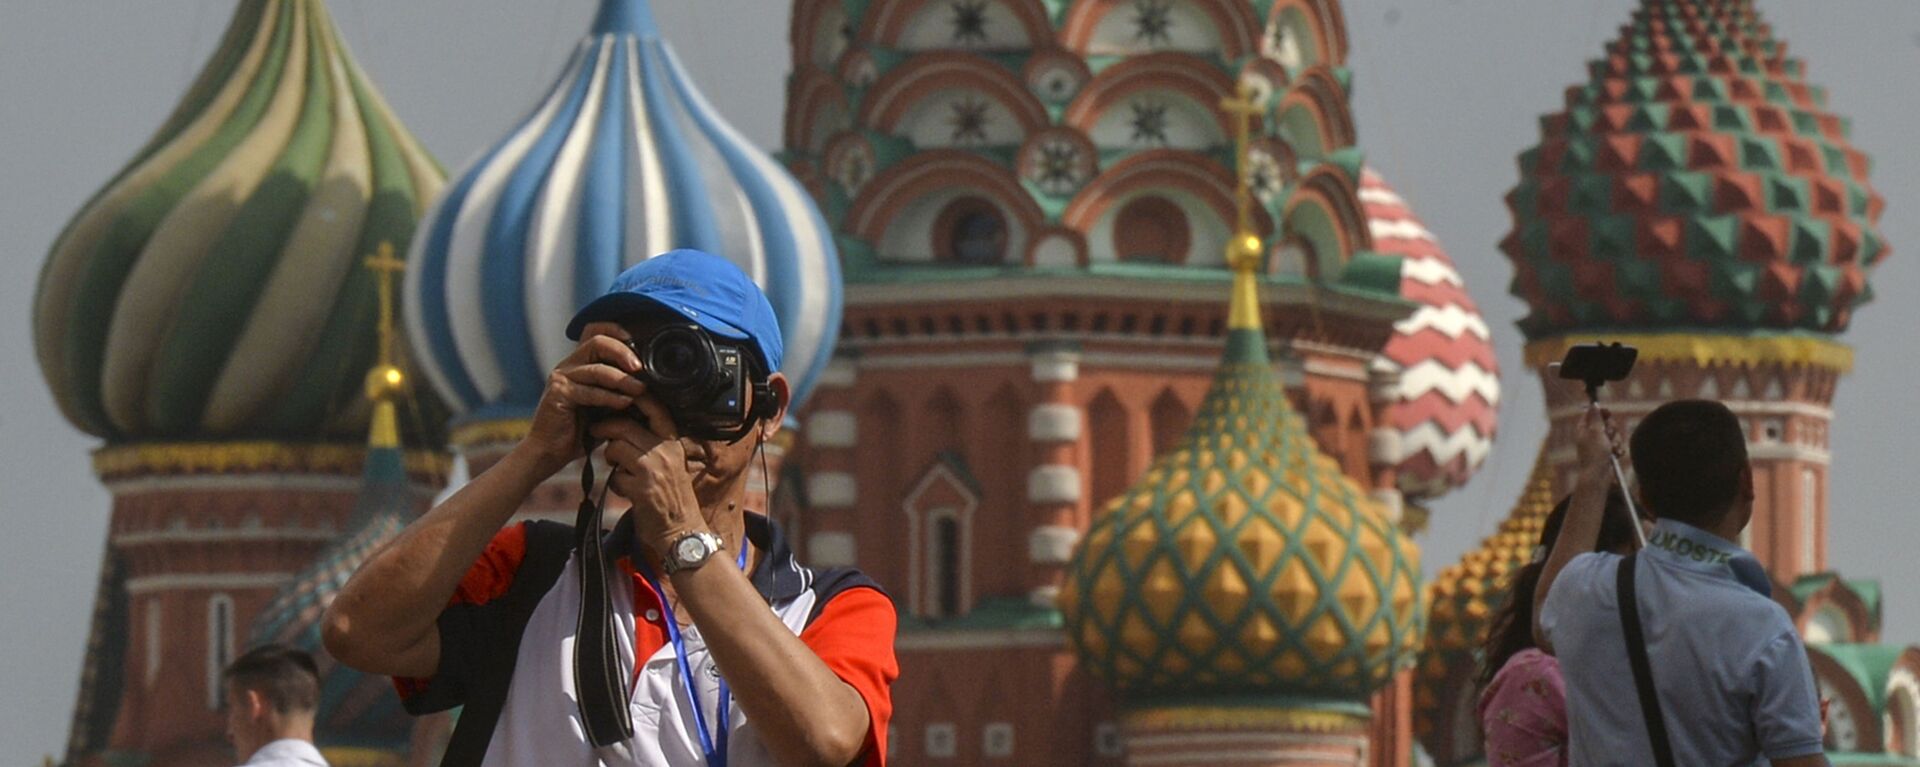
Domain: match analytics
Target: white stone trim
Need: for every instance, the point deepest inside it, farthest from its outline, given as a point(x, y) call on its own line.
point(1330, 370)
point(832, 428)
point(942, 740)
point(1739, 408)
point(220, 646)
point(223, 535)
point(1047, 596)
point(832, 490)
point(840, 372)
point(1788, 452)
point(1053, 422)
point(308, 483)
point(1051, 544)
point(1053, 483)
point(996, 740)
point(1755, 452)
point(1100, 286)
point(1055, 366)
point(831, 548)
point(184, 581)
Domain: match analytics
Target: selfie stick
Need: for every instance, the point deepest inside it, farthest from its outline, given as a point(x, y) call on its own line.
point(1613, 456)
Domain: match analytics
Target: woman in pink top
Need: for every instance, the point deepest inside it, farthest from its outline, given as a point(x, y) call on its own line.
point(1523, 705)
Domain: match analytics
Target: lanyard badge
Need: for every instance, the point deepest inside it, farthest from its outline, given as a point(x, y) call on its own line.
point(713, 743)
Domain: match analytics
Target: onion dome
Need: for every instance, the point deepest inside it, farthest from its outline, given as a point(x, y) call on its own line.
point(208, 291)
point(357, 710)
point(1697, 181)
point(1444, 408)
point(1461, 602)
point(1244, 561)
point(621, 160)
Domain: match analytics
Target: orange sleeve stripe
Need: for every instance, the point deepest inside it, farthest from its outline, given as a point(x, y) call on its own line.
point(853, 635)
point(492, 573)
point(486, 580)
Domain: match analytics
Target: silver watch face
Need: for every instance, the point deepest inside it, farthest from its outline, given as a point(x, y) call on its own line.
point(691, 549)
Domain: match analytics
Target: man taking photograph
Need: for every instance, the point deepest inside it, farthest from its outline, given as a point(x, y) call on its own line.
point(689, 635)
point(1727, 667)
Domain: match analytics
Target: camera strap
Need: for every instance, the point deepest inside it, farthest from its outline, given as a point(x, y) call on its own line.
point(604, 705)
point(1642, 668)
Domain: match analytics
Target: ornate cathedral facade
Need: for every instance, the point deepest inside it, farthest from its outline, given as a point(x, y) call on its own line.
point(1115, 362)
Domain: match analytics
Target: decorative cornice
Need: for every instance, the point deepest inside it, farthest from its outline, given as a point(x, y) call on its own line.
point(119, 462)
point(474, 434)
point(1708, 349)
point(1288, 716)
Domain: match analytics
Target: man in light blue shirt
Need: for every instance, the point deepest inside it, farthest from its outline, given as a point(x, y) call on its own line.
point(1731, 674)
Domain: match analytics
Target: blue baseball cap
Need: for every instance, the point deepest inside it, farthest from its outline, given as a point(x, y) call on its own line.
point(704, 288)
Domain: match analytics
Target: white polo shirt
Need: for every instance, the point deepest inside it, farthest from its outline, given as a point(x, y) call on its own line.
point(1732, 675)
point(286, 752)
point(840, 614)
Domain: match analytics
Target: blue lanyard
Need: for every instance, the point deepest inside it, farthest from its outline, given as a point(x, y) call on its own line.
point(713, 744)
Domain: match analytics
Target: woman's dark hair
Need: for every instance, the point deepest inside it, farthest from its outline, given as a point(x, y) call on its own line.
point(1512, 627)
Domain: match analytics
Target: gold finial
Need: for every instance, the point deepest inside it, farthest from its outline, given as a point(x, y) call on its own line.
point(385, 382)
point(1245, 247)
point(385, 266)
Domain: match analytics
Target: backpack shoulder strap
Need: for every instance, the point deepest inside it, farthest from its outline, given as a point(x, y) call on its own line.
point(549, 545)
point(1642, 668)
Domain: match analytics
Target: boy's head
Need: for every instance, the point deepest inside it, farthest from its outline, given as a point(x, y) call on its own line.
point(270, 690)
point(1691, 458)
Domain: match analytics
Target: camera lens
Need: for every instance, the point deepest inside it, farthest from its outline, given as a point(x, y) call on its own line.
point(678, 357)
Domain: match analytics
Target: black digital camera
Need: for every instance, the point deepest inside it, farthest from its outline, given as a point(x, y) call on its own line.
point(708, 385)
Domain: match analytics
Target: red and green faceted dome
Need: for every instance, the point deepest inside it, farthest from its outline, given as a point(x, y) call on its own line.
point(1695, 181)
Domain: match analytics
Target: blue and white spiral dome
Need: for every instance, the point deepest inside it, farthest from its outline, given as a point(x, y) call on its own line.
point(622, 160)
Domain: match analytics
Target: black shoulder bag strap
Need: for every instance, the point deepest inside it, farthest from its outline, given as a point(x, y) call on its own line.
point(549, 545)
point(1642, 670)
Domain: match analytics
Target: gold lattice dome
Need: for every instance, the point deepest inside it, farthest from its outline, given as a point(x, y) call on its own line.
point(1244, 562)
point(1463, 598)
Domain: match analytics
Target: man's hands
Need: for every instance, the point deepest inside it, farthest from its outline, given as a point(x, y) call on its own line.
point(598, 374)
point(1598, 443)
point(650, 470)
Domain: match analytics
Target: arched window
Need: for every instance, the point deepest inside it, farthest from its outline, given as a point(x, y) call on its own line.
point(970, 231)
point(219, 646)
point(153, 640)
point(1901, 721)
point(943, 564)
point(1151, 229)
point(1170, 420)
point(1809, 520)
point(1294, 258)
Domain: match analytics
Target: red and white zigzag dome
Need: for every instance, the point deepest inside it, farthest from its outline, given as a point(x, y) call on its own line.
point(1445, 407)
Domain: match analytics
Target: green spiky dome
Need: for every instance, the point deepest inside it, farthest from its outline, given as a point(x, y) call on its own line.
point(1244, 562)
point(211, 290)
point(1696, 181)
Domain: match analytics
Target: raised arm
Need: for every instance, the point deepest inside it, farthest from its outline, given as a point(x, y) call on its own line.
point(1581, 531)
point(384, 619)
point(804, 712)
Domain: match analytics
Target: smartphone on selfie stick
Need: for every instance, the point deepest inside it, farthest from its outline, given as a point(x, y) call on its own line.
point(1596, 365)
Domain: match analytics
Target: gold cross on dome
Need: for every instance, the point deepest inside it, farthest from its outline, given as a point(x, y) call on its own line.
point(1242, 108)
point(385, 266)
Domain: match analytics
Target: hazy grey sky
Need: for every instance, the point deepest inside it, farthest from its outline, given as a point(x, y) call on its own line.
point(1447, 92)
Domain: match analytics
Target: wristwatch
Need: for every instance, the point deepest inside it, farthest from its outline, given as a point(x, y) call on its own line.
point(691, 550)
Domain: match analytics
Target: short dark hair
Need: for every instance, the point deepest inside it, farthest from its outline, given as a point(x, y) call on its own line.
point(285, 676)
point(1690, 456)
